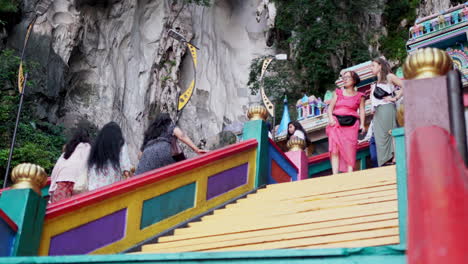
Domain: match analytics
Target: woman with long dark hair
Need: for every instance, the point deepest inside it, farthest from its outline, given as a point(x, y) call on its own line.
point(295, 129)
point(70, 165)
point(344, 123)
point(159, 144)
point(109, 161)
point(383, 97)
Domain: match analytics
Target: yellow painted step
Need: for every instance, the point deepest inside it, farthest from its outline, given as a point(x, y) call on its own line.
point(337, 239)
point(375, 241)
point(318, 194)
point(282, 209)
point(289, 206)
point(300, 237)
point(376, 173)
point(285, 210)
point(200, 238)
point(275, 194)
point(308, 217)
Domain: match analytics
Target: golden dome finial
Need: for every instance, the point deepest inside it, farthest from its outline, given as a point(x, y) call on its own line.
point(257, 112)
point(29, 176)
point(295, 144)
point(427, 63)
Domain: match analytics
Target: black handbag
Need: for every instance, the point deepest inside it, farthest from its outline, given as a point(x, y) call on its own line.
point(346, 120)
point(176, 151)
point(179, 157)
point(380, 93)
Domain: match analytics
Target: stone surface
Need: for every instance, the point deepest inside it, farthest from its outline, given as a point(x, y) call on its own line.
point(428, 7)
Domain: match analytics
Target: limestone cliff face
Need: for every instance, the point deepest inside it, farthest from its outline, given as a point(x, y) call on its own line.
point(428, 7)
point(112, 60)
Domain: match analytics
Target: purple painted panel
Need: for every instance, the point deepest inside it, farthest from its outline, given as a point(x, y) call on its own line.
point(227, 180)
point(90, 236)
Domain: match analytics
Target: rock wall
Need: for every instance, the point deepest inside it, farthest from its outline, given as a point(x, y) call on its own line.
point(428, 7)
point(112, 60)
point(229, 37)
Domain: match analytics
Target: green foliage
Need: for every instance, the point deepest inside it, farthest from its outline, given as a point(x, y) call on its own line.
point(394, 44)
point(37, 142)
point(322, 37)
point(9, 5)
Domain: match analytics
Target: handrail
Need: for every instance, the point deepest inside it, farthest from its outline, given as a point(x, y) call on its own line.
point(85, 199)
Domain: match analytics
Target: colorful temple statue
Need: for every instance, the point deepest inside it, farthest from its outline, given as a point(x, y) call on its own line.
point(303, 107)
point(306, 107)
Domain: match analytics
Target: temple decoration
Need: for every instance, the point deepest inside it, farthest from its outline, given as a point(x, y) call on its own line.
point(257, 112)
point(29, 176)
point(446, 30)
point(187, 94)
point(446, 20)
point(268, 104)
point(310, 106)
point(285, 119)
point(365, 73)
point(427, 63)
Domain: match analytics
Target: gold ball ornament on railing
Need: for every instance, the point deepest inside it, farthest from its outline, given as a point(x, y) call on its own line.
point(29, 176)
point(427, 63)
point(257, 112)
point(295, 144)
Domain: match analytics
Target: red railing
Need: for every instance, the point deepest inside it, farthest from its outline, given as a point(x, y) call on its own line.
point(437, 198)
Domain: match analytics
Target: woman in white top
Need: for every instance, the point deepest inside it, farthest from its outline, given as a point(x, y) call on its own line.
point(383, 98)
point(69, 167)
point(109, 161)
point(295, 129)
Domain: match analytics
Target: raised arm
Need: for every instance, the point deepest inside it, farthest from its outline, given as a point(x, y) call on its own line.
point(186, 140)
point(396, 81)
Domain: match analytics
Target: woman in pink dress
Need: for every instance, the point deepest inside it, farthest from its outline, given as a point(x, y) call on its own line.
point(345, 123)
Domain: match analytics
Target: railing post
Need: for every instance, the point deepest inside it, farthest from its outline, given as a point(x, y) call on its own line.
point(402, 184)
point(25, 206)
point(256, 128)
point(436, 175)
point(297, 155)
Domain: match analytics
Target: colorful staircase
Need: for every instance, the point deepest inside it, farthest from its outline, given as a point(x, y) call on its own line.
point(356, 209)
